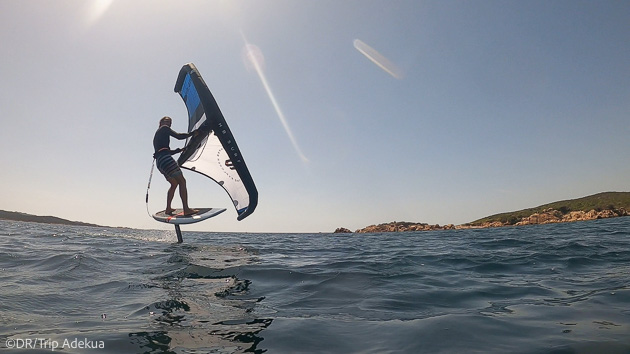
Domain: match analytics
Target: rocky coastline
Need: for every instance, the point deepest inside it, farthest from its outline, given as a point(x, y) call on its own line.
point(547, 216)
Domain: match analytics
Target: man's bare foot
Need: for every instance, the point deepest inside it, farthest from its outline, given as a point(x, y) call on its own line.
point(169, 211)
point(190, 211)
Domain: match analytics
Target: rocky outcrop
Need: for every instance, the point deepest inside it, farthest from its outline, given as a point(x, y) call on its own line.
point(403, 226)
point(547, 216)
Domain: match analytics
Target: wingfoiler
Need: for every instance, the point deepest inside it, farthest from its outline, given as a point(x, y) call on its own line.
point(213, 152)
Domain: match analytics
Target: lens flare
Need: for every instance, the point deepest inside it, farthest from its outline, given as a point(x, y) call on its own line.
point(377, 58)
point(254, 59)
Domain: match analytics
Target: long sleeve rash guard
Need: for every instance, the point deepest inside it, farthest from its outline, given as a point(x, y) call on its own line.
point(161, 141)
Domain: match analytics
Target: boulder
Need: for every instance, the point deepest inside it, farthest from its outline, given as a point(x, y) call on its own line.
point(342, 230)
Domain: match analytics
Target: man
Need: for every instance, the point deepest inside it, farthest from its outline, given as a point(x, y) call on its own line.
point(168, 166)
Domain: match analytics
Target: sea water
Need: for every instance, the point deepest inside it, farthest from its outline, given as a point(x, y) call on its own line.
point(560, 288)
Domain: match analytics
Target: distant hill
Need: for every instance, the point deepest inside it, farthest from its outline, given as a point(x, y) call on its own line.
point(597, 202)
point(12, 215)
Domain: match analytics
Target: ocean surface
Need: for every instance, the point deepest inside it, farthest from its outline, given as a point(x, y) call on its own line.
point(560, 288)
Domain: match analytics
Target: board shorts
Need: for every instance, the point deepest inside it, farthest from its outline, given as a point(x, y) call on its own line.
point(167, 166)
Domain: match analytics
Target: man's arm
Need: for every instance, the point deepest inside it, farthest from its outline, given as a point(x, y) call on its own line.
point(179, 136)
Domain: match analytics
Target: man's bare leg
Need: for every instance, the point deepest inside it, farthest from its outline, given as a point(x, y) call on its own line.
point(183, 193)
point(170, 194)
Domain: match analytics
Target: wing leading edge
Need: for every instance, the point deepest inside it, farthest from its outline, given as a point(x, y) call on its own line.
point(213, 153)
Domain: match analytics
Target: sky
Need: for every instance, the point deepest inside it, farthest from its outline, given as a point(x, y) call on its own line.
point(352, 113)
